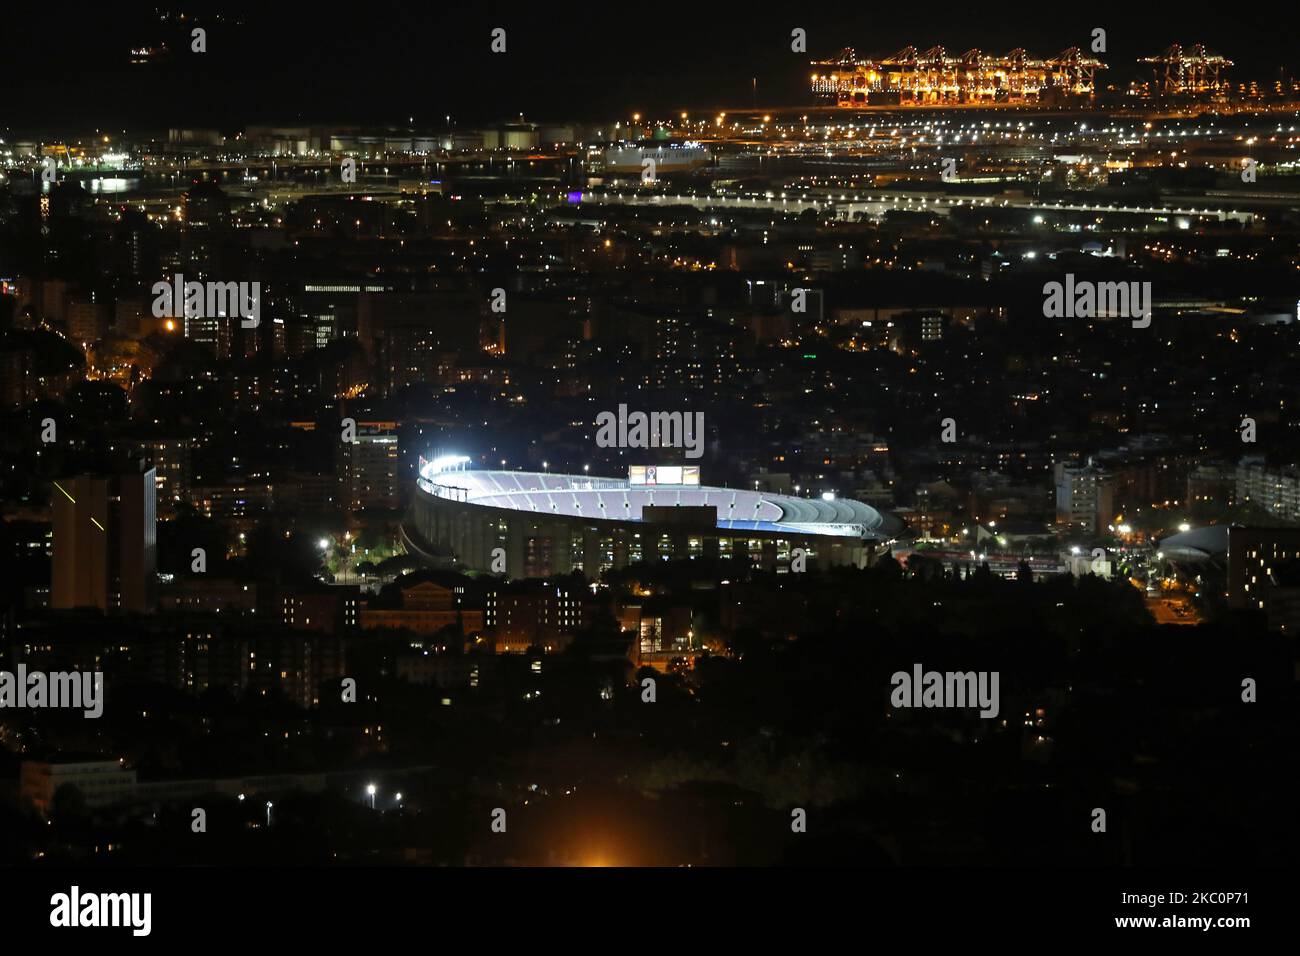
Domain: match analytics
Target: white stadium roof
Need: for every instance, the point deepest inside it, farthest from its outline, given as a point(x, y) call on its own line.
point(613, 499)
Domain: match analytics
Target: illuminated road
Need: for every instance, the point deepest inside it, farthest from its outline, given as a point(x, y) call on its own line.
point(1172, 610)
point(849, 206)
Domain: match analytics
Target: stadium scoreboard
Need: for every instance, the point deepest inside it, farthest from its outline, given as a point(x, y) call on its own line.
point(646, 475)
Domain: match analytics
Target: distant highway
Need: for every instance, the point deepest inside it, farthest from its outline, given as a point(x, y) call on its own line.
point(848, 205)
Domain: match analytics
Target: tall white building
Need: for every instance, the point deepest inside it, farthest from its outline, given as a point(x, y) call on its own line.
point(1085, 497)
point(368, 468)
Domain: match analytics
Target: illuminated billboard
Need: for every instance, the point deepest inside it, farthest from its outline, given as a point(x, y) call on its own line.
point(639, 475)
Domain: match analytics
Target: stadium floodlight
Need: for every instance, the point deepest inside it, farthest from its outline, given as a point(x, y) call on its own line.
point(447, 463)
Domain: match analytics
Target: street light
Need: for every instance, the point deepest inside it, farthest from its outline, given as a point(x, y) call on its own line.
point(372, 789)
point(268, 813)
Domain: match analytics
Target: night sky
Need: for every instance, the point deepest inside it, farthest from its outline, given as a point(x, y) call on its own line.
point(379, 62)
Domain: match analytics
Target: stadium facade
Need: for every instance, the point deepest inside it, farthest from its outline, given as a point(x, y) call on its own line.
point(546, 524)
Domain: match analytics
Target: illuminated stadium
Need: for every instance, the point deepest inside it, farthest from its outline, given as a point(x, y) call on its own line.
point(546, 523)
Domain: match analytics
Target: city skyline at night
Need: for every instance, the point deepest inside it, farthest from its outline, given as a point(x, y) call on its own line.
point(435, 441)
